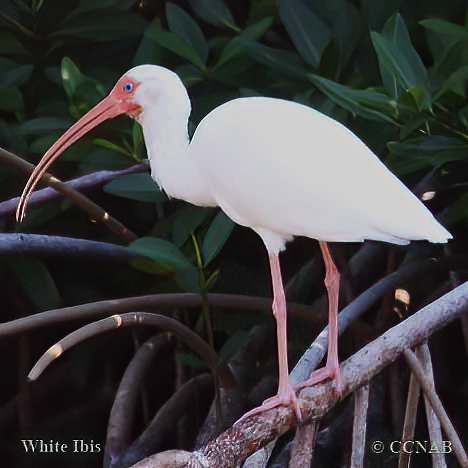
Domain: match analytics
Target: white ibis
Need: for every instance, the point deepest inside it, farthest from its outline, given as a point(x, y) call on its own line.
point(278, 167)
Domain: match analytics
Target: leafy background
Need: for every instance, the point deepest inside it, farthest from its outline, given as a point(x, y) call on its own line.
point(393, 71)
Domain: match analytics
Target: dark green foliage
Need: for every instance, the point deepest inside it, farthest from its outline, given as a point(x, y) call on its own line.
point(394, 72)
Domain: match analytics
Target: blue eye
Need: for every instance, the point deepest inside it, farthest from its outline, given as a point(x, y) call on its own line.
point(128, 87)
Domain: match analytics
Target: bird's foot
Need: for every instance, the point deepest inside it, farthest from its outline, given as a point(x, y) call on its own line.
point(284, 397)
point(319, 375)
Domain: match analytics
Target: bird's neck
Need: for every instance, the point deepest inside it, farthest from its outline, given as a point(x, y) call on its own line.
point(167, 143)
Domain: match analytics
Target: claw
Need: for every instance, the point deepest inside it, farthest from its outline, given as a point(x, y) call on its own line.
point(286, 397)
point(319, 375)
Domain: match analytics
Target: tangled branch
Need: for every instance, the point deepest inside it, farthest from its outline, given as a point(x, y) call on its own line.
point(238, 442)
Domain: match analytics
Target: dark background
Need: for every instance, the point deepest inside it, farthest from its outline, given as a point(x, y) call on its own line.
point(393, 71)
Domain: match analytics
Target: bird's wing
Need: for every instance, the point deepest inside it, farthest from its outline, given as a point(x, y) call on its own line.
point(277, 165)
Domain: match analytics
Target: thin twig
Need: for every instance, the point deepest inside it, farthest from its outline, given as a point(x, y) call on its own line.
point(153, 302)
point(409, 425)
point(433, 424)
point(437, 406)
point(361, 405)
point(94, 211)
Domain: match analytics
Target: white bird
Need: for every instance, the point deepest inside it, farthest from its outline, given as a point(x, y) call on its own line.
point(278, 167)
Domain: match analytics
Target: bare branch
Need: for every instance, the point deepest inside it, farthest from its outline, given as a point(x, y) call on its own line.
point(120, 426)
point(235, 444)
point(94, 211)
point(172, 459)
point(361, 405)
point(52, 246)
point(150, 441)
point(153, 302)
point(83, 183)
point(316, 351)
point(302, 452)
point(311, 358)
point(409, 424)
point(142, 319)
point(433, 424)
point(437, 406)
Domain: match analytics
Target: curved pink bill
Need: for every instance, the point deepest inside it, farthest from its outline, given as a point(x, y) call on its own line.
point(108, 108)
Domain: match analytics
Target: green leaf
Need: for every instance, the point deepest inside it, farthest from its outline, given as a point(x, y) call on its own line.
point(98, 159)
point(83, 92)
point(286, 62)
point(137, 139)
point(112, 146)
point(216, 236)
point(305, 28)
point(174, 43)
point(376, 13)
point(189, 74)
point(449, 53)
point(455, 83)
point(36, 282)
point(182, 24)
point(148, 51)
point(261, 9)
point(167, 255)
point(16, 76)
point(235, 71)
point(11, 98)
point(233, 344)
point(347, 31)
point(236, 45)
point(463, 116)
point(400, 65)
point(368, 104)
point(10, 45)
point(140, 187)
point(100, 25)
point(164, 258)
point(186, 222)
point(119, 4)
point(445, 27)
point(41, 125)
point(71, 76)
point(42, 144)
point(87, 94)
point(214, 12)
point(54, 74)
point(428, 153)
point(395, 30)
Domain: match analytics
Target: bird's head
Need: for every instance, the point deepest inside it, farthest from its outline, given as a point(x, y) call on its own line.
point(139, 86)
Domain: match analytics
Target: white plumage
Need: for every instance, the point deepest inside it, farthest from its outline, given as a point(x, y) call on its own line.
point(278, 167)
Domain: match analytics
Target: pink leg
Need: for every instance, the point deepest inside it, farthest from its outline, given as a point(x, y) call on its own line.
point(332, 282)
point(286, 394)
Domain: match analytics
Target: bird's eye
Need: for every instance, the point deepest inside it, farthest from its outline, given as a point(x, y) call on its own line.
point(128, 86)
